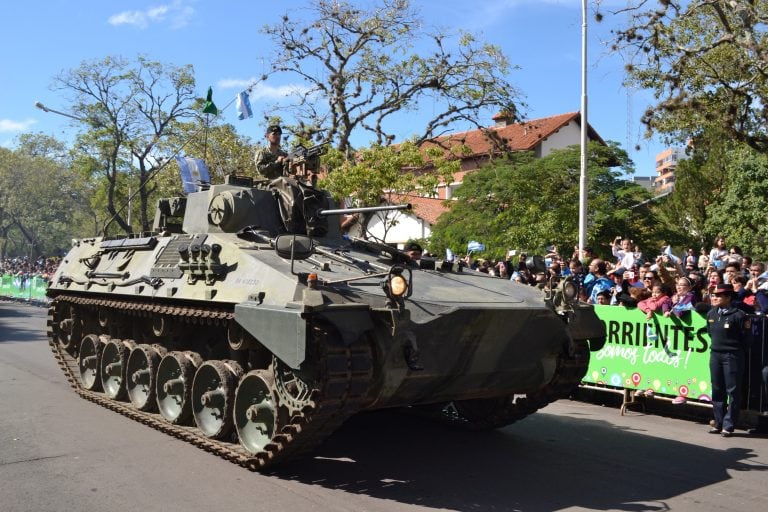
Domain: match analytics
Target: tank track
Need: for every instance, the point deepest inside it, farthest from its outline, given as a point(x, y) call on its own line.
point(348, 371)
point(493, 413)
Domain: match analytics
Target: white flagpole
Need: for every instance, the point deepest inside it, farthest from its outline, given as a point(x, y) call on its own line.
point(584, 132)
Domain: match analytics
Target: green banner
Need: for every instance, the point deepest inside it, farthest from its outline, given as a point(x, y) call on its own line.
point(668, 355)
point(17, 287)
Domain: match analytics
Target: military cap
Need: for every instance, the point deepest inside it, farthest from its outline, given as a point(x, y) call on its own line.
point(723, 289)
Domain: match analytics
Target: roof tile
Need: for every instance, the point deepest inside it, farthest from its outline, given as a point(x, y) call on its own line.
point(524, 136)
point(426, 208)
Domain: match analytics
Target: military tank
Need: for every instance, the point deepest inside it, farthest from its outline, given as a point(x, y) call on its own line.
point(248, 325)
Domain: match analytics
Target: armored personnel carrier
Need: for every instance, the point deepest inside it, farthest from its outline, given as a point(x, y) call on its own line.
point(246, 324)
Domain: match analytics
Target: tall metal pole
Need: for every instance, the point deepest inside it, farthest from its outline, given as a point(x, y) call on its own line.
point(584, 133)
point(130, 205)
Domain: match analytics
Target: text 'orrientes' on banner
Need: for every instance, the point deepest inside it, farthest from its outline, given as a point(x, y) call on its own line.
point(668, 355)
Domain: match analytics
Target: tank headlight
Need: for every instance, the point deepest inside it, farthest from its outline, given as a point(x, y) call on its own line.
point(398, 285)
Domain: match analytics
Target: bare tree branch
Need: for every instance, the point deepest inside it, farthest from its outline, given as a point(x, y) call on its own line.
point(362, 70)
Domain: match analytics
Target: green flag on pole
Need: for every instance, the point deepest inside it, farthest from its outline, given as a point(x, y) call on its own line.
point(210, 107)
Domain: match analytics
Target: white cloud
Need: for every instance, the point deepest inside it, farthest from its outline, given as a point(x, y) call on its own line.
point(136, 18)
point(9, 125)
point(157, 13)
point(176, 14)
point(261, 90)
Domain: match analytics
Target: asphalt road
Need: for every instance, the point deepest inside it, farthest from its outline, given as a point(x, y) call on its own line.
point(59, 452)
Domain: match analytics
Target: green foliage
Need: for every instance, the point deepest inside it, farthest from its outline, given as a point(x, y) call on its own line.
point(125, 108)
point(522, 202)
point(705, 61)
point(40, 145)
point(740, 210)
point(39, 197)
point(380, 173)
point(720, 190)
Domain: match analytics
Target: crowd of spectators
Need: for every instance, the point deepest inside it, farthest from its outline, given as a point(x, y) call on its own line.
point(26, 268)
point(665, 283)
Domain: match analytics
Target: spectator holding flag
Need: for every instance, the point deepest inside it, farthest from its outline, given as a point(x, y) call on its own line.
point(684, 299)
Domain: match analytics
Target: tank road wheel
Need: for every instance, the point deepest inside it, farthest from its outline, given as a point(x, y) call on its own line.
point(255, 411)
point(89, 362)
point(114, 359)
point(213, 395)
point(140, 373)
point(174, 385)
point(70, 326)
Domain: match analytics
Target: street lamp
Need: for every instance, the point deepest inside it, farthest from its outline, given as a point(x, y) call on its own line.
point(48, 109)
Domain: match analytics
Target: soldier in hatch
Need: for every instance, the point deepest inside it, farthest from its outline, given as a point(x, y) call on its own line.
point(270, 160)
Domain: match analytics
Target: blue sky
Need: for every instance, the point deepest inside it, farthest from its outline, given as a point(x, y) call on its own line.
point(221, 39)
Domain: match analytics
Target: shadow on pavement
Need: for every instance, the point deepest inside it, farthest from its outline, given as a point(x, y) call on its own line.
point(21, 322)
point(544, 463)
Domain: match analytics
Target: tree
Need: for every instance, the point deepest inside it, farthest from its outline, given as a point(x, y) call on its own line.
point(739, 211)
point(7, 177)
point(361, 68)
point(700, 181)
point(387, 174)
point(707, 63)
point(523, 202)
point(40, 145)
point(36, 219)
point(126, 108)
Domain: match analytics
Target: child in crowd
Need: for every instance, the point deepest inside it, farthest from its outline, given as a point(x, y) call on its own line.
point(703, 260)
point(622, 250)
point(690, 259)
point(657, 302)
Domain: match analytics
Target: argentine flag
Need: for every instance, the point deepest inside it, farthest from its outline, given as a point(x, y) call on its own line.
point(194, 173)
point(474, 246)
point(243, 103)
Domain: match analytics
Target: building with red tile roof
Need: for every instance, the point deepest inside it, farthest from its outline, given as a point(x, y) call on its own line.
point(540, 136)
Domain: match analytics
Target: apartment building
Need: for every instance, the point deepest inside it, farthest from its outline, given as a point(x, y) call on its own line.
point(666, 164)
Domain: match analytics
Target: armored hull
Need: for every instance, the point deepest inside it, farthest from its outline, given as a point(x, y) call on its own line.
point(239, 334)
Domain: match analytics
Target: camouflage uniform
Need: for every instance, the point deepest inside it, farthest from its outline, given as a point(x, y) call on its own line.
point(266, 162)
